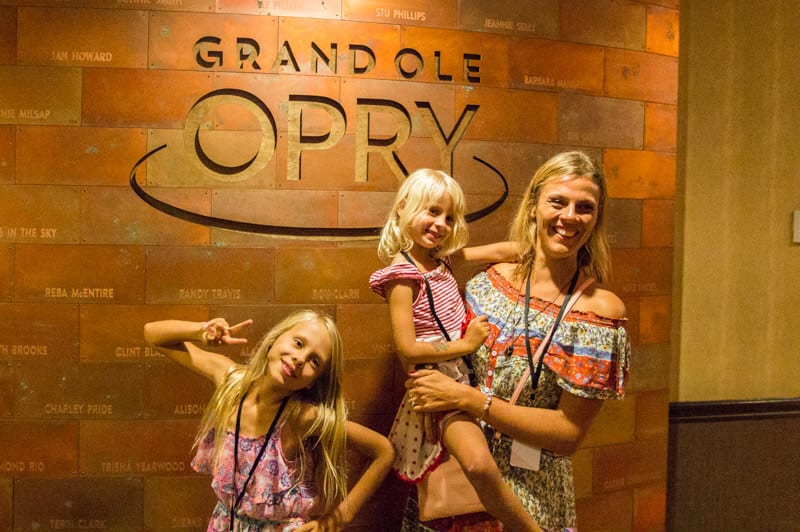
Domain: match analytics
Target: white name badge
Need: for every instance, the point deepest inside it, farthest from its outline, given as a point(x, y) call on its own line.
point(525, 456)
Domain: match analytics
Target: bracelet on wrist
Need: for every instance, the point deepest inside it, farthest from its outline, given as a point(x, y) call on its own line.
point(486, 405)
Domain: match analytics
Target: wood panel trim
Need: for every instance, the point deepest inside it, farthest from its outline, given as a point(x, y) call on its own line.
point(693, 411)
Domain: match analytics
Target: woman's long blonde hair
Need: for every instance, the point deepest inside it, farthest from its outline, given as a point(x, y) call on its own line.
point(594, 257)
point(325, 438)
point(416, 193)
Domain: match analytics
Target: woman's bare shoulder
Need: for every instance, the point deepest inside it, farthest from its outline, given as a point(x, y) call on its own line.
point(506, 269)
point(603, 303)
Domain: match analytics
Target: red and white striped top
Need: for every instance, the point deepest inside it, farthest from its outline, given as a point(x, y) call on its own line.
point(446, 296)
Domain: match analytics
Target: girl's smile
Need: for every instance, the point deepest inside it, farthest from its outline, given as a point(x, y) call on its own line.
point(301, 354)
point(431, 226)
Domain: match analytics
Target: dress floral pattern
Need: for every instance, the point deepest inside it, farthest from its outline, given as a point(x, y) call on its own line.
point(588, 357)
point(273, 501)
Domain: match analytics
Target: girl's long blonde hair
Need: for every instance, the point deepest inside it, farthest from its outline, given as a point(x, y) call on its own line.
point(594, 257)
point(324, 439)
point(416, 193)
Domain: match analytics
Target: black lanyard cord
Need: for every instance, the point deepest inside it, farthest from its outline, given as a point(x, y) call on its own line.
point(537, 371)
point(237, 499)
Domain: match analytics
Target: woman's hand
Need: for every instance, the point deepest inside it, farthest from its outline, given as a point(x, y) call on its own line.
point(432, 391)
point(218, 332)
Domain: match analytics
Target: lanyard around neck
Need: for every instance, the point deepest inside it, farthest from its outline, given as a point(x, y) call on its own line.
point(537, 371)
point(238, 497)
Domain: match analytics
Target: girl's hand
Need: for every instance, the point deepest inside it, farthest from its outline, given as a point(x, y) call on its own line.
point(477, 331)
point(433, 391)
point(218, 332)
point(332, 522)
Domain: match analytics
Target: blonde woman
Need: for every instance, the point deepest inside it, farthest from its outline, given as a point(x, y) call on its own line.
point(425, 226)
point(275, 431)
point(559, 228)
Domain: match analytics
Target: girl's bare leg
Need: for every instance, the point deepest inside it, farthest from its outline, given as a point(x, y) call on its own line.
point(465, 441)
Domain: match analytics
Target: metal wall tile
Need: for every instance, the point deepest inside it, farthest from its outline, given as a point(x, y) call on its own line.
point(523, 116)
point(78, 503)
point(70, 274)
point(153, 5)
point(533, 17)
point(660, 127)
point(557, 65)
point(369, 386)
point(6, 271)
point(54, 155)
point(39, 331)
point(655, 319)
point(45, 389)
point(8, 159)
point(658, 223)
point(40, 95)
point(634, 464)
point(174, 392)
point(82, 37)
point(663, 31)
point(600, 122)
point(194, 275)
point(35, 214)
point(641, 76)
point(283, 8)
point(38, 448)
point(114, 333)
point(8, 38)
point(178, 503)
point(442, 14)
point(365, 329)
point(623, 221)
point(640, 174)
point(613, 24)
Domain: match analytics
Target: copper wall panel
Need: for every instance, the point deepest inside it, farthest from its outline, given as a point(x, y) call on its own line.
point(442, 14)
point(671, 4)
point(115, 215)
point(654, 319)
point(612, 511)
point(366, 332)
point(178, 503)
point(605, 122)
point(151, 98)
point(616, 24)
point(615, 423)
point(582, 472)
point(573, 67)
point(6, 391)
point(70, 274)
point(6, 499)
point(38, 448)
point(296, 208)
point(77, 156)
point(40, 95)
point(641, 272)
point(651, 370)
point(641, 76)
point(470, 59)
point(113, 333)
point(315, 276)
point(36, 331)
point(660, 127)
point(369, 386)
point(154, 5)
point(364, 209)
point(632, 313)
point(79, 503)
point(658, 223)
point(136, 448)
point(7, 154)
point(515, 160)
point(173, 42)
point(59, 38)
point(533, 17)
point(6, 272)
point(640, 174)
point(284, 8)
point(524, 116)
point(650, 507)
point(652, 414)
point(85, 391)
point(382, 39)
point(226, 276)
point(40, 215)
point(623, 221)
point(662, 31)
point(8, 37)
point(634, 464)
point(173, 391)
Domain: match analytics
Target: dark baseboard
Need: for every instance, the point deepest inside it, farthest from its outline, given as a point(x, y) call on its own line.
point(694, 411)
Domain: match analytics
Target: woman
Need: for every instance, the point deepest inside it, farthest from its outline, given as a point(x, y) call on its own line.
point(562, 242)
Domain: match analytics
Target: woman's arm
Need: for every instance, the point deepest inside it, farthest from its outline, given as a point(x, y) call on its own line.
point(492, 253)
point(560, 430)
point(400, 296)
point(380, 453)
point(174, 338)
